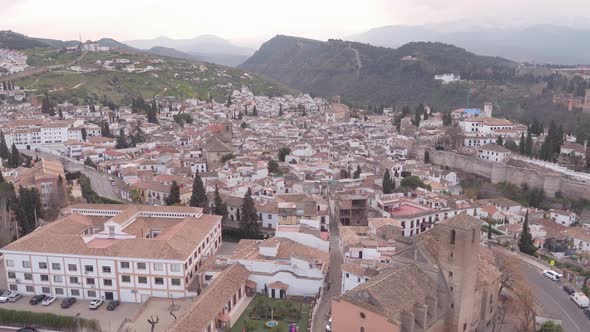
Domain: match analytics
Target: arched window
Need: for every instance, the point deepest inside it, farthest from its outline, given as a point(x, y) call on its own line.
point(362, 329)
point(452, 236)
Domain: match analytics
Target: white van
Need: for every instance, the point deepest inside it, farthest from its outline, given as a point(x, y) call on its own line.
point(552, 275)
point(580, 299)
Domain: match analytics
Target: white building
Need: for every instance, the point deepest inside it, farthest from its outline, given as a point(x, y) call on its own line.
point(562, 217)
point(447, 78)
point(114, 252)
point(493, 152)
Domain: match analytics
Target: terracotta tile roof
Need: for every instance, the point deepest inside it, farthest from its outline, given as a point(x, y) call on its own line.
point(209, 304)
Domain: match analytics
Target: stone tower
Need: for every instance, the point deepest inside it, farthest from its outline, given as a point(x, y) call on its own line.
point(458, 238)
point(487, 109)
point(587, 101)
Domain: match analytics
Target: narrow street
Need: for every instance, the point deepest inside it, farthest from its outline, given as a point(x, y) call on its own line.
point(335, 278)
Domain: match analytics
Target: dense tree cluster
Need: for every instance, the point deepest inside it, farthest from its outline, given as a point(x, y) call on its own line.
point(553, 142)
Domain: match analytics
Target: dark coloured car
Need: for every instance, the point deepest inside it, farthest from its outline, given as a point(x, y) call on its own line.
point(569, 289)
point(113, 305)
point(587, 313)
point(37, 299)
point(27, 329)
point(68, 302)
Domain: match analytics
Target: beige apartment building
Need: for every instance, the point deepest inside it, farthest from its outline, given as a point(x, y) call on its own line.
point(115, 252)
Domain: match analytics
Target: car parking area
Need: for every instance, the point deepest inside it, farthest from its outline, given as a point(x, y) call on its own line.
point(109, 320)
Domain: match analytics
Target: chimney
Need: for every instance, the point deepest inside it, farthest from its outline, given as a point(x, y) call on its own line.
point(421, 312)
point(432, 303)
point(407, 319)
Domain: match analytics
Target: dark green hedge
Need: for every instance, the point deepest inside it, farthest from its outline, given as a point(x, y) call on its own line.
point(45, 320)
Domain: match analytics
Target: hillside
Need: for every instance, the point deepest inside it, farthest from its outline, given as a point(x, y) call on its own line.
point(518, 43)
point(362, 73)
point(17, 41)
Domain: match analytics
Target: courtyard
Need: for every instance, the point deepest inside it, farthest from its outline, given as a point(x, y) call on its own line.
point(284, 312)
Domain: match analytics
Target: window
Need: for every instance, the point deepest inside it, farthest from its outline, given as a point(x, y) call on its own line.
point(108, 282)
point(126, 278)
point(175, 267)
point(88, 268)
point(55, 266)
point(90, 281)
point(72, 267)
point(59, 291)
point(175, 282)
point(208, 277)
point(363, 316)
point(452, 236)
point(13, 287)
point(73, 280)
point(30, 289)
point(10, 263)
point(11, 275)
point(142, 280)
point(124, 265)
point(57, 279)
point(106, 269)
point(347, 275)
point(75, 292)
point(42, 265)
point(45, 290)
point(159, 281)
point(44, 277)
point(362, 329)
point(91, 293)
point(158, 267)
point(28, 276)
point(141, 266)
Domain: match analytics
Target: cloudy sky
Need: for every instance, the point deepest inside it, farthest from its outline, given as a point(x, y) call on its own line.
point(248, 21)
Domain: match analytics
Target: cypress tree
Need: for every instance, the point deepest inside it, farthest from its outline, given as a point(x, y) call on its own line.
point(15, 159)
point(357, 173)
point(529, 143)
point(219, 207)
point(4, 153)
point(249, 219)
point(174, 197)
point(499, 140)
point(1, 177)
point(388, 186)
point(199, 196)
point(426, 156)
point(525, 243)
point(521, 144)
point(121, 140)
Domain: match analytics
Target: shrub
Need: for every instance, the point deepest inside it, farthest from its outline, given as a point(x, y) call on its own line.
point(45, 320)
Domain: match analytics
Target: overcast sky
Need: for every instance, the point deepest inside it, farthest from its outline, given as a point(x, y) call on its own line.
point(256, 20)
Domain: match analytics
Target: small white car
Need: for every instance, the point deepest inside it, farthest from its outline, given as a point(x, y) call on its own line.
point(552, 275)
point(48, 300)
point(329, 325)
point(95, 304)
point(4, 296)
point(580, 299)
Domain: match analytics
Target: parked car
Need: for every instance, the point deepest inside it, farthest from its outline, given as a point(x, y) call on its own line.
point(4, 296)
point(95, 304)
point(580, 299)
point(552, 275)
point(329, 325)
point(587, 312)
point(569, 289)
point(49, 300)
point(14, 297)
point(113, 305)
point(68, 302)
point(37, 299)
point(27, 329)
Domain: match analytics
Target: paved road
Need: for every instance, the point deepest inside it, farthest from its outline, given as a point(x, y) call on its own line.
point(100, 182)
point(335, 277)
point(556, 302)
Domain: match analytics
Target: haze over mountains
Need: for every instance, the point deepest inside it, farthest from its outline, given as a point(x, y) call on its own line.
point(531, 43)
point(204, 47)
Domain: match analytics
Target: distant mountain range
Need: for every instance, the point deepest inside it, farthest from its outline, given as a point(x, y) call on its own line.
point(208, 48)
point(362, 73)
point(536, 43)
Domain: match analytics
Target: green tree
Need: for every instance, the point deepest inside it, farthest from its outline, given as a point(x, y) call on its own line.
point(357, 172)
point(273, 166)
point(522, 144)
point(219, 207)
point(105, 131)
point(426, 157)
point(4, 152)
point(387, 183)
point(199, 194)
point(412, 182)
point(280, 110)
point(122, 140)
point(283, 152)
point(254, 111)
point(14, 159)
point(500, 140)
point(89, 162)
point(447, 119)
point(249, 224)
point(244, 125)
point(525, 243)
point(84, 134)
point(551, 326)
point(27, 209)
point(174, 196)
point(228, 103)
point(529, 143)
